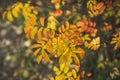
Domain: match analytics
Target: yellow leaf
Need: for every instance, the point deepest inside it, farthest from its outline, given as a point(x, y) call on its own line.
point(51, 25)
point(52, 19)
point(116, 46)
point(94, 33)
point(59, 29)
point(81, 52)
point(36, 45)
point(41, 42)
point(91, 15)
point(39, 33)
point(71, 78)
point(63, 28)
point(67, 25)
point(77, 67)
point(61, 60)
point(42, 20)
point(112, 42)
point(62, 66)
point(45, 56)
point(9, 16)
point(52, 22)
point(115, 38)
point(4, 14)
point(66, 69)
point(55, 68)
point(78, 77)
point(101, 65)
point(76, 60)
point(35, 12)
point(74, 73)
point(68, 57)
point(69, 74)
point(52, 78)
point(86, 44)
point(58, 73)
point(39, 58)
point(95, 43)
point(87, 37)
point(33, 32)
point(66, 51)
point(36, 51)
point(15, 12)
point(57, 6)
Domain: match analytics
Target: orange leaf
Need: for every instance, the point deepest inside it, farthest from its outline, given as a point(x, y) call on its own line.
point(36, 52)
point(38, 59)
point(80, 24)
point(33, 32)
point(36, 45)
point(42, 19)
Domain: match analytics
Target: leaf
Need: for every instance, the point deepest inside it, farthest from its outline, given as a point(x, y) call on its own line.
point(86, 38)
point(52, 22)
point(58, 73)
point(44, 33)
point(62, 28)
point(94, 44)
point(77, 67)
point(74, 73)
point(69, 74)
point(33, 32)
point(101, 4)
point(51, 33)
point(27, 29)
point(66, 69)
point(52, 78)
point(67, 25)
point(39, 58)
point(80, 51)
point(70, 78)
point(62, 66)
point(116, 40)
point(9, 16)
point(59, 47)
point(42, 19)
point(66, 51)
point(55, 68)
point(78, 77)
point(39, 33)
point(76, 60)
point(45, 55)
point(51, 25)
point(15, 12)
point(36, 51)
point(53, 19)
point(61, 60)
point(36, 45)
point(4, 14)
point(81, 24)
point(101, 10)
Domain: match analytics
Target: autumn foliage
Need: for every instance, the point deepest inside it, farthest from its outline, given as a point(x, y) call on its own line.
point(56, 34)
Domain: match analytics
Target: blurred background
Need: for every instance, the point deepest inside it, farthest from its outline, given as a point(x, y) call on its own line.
point(16, 56)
